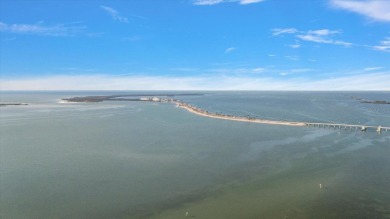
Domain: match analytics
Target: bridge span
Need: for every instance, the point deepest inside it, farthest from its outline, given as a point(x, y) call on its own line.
point(379, 129)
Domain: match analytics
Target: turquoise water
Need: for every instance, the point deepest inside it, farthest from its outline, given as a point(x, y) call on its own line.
point(142, 159)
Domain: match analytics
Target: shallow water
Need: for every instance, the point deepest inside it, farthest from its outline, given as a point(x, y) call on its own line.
point(141, 159)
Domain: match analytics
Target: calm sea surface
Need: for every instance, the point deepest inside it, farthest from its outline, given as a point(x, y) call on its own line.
point(121, 159)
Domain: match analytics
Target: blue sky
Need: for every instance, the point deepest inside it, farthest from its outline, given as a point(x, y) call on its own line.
point(195, 45)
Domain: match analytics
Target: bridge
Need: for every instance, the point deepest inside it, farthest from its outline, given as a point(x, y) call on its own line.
point(379, 129)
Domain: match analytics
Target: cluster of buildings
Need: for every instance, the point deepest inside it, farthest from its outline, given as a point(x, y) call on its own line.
point(157, 99)
point(153, 99)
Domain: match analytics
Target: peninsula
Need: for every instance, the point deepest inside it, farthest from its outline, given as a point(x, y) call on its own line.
point(203, 112)
point(181, 104)
point(124, 97)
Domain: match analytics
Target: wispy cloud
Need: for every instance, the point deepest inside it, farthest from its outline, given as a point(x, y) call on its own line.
point(245, 2)
point(375, 9)
point(292, 58)
point(230, 50)
point(295, 46)
point(132, 38)
point(278, 31)
point(317, 36)
point(114, 14)
point(301, 70)
point(384, 45)
point(207, 2)
point(373, 68)
point(368, 81)
point(183, 69)
point(236, 71)
point(43, 30)
point(322, 36)
point(295, 71)
point(323, 32)
point(258, 70)
point(214, 2)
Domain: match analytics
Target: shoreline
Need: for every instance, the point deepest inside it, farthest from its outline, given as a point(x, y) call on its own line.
point(204, 113)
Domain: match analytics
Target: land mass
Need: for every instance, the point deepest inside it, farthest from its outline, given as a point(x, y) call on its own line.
point(371, 101)
point(375, 101)
point(96, 99)
point(203, 112)
point(186, 106)
point(13, 104)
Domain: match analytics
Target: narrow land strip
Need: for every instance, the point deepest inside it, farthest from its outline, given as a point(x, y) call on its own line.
point(235, 118)
point(202, 112)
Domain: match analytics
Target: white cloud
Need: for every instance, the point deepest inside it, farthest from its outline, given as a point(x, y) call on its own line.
point(375, 9)
point(236, 71)
point(295, 71)
point(313, 38)
point(40, 29)
point(295, 46)
point(230, 50)
point(207, 2)
point(245, 2)
point(214, 2)
point(292, 58)
point(183, 69)
point(323, 32)
point(317, 36)
point(258, 70)
point(132, 38)
point(384, 45)
point(367, 81)
point(325, 36)
point(278, 31)
point(3, 26)
point(114, 14)
point(301, 70)
point(373, 68)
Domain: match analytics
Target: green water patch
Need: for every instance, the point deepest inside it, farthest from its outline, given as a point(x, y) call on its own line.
point(352, 186)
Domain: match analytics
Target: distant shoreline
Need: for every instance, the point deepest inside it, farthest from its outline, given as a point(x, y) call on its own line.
point(13, 104)
point(205, 113)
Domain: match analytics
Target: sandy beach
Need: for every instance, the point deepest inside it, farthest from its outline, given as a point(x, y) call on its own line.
point(236, 118)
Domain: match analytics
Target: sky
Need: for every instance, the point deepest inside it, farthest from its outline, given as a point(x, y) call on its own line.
point(195, 45)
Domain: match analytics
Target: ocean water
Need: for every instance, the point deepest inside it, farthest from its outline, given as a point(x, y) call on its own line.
point(121, 159)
